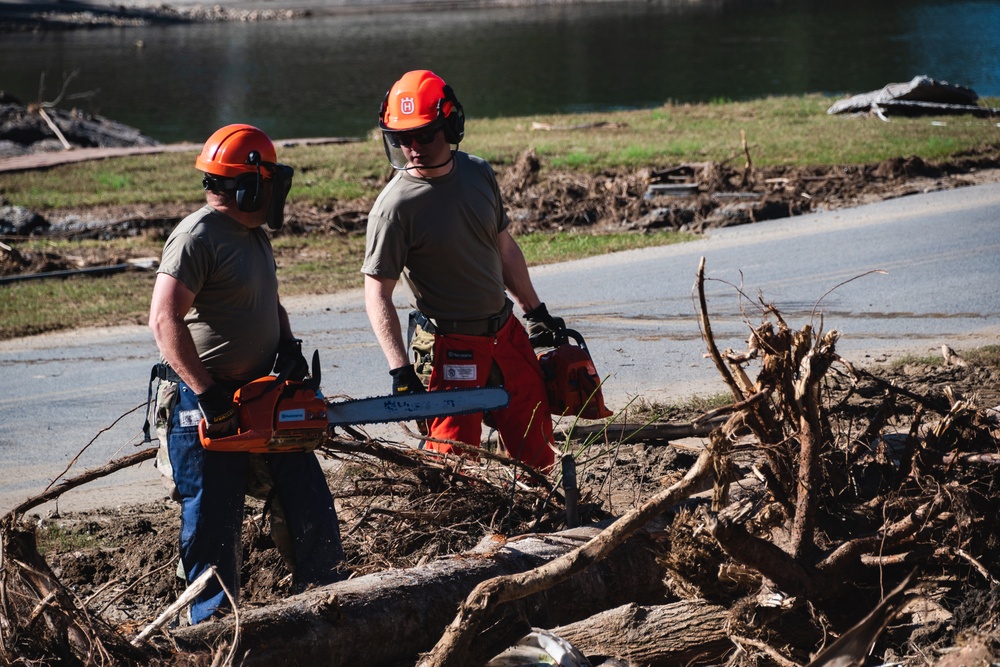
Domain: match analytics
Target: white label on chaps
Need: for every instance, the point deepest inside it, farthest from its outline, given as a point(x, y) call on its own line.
point(460, 372)
point(189, 417)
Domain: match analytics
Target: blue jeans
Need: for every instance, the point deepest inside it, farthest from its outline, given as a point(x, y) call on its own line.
point(212, 486)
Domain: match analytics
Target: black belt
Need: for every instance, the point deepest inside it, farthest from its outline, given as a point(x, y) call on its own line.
point(168, 374)
point(487, 326)
point(165, 372)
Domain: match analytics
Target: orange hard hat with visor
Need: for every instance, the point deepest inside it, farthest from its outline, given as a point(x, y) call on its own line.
point(415, 109)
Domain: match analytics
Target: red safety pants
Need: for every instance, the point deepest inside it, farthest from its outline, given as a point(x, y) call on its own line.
point(525, 426)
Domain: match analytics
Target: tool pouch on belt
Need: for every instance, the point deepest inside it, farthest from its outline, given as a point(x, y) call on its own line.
point(161, 400)
point(422, 346)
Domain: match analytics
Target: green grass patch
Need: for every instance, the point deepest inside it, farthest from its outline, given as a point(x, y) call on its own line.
point(916, 360)
point(317, 264)
point(55, 539)
point(549, 248)
point(37, 306)
point(988, 355)
point(790, 131)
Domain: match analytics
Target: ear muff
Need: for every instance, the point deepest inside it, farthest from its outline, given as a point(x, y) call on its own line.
point(249, 187)
point(249, 192)
point(454, 122)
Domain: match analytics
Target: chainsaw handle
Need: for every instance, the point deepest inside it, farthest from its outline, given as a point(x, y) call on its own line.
point(564, 334)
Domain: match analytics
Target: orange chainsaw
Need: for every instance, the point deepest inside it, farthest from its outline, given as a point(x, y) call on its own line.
point(571, 381)
point(279, 415)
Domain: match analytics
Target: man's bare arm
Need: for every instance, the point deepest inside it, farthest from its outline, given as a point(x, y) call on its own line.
point(515, 273)
point(170, 303)
point(384, 320)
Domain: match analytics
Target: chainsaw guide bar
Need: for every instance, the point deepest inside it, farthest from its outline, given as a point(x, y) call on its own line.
point(278, 415)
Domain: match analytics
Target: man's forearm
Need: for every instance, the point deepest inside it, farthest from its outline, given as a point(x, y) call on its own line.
point(284, 323)
point(385, 322)
point(515, 273)
point(178, 349)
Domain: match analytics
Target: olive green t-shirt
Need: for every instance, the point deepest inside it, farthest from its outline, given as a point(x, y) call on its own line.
point(441, 236)
point(230, 268)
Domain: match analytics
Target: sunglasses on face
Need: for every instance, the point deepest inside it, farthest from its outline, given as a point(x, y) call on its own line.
point(407, 138)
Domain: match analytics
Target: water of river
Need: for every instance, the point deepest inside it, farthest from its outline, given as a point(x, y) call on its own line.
point(326, 75)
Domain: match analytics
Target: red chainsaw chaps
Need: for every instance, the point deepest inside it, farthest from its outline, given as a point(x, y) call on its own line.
point(525, 425)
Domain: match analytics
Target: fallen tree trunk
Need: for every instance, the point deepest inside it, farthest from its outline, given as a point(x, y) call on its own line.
point(387, 618)
point(461, 644)
point(679, 633)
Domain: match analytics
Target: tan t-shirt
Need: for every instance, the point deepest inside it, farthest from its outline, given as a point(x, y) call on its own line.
point(441, 236)
point(230, 268)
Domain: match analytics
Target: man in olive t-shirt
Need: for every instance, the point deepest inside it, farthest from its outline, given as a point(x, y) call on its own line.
point(219, 324)
point(440, 224)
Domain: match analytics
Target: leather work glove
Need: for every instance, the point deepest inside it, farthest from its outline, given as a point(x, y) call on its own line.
point(289, 361)
point(405, 381)
point(219, 411)
point(543, 328)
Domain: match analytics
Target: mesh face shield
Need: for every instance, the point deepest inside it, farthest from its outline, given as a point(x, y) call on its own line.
point(281, 183)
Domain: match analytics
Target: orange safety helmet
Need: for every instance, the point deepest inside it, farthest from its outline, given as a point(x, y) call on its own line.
point(237, 149)
point(240, 158)
point(421, 99)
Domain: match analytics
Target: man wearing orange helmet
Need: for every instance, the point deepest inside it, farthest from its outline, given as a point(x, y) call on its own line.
point(440, 223)
point(219, 324)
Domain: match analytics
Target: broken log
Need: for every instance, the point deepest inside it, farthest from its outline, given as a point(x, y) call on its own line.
point(480, 609)
point(387, 618)
point(679, 633)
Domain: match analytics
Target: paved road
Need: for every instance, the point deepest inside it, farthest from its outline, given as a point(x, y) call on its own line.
point(941, 252)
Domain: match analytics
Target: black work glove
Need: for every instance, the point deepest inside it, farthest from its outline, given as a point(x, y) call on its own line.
point(543, 329)
point(219, 411)
point(289, 361)
point(405, 381)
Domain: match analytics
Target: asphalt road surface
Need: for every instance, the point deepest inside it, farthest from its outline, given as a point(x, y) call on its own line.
point(899, 277)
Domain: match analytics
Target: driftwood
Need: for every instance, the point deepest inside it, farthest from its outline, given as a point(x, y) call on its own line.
point(389, 617)
point(814, 510)
point(456, 646)
point(58, 625)
point(679, 633)
point(79, 480)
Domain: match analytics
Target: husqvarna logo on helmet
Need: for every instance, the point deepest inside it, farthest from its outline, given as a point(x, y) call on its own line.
point(406, 106)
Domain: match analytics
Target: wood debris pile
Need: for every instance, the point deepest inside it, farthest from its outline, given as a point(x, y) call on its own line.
point(830, 512)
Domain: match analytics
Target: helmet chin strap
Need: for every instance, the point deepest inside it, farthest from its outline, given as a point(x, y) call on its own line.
point(451, 158)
